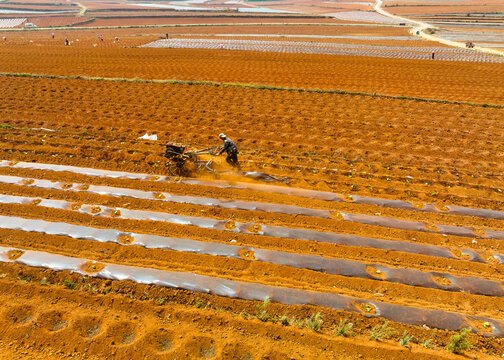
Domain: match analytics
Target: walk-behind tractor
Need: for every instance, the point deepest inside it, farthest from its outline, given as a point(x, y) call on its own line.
point(185, 162)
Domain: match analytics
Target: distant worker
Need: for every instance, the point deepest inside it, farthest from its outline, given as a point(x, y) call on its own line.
point(117, 38)
point(231, 150)
point(166, 36)
point(52, 35)
point(4, 38)
point(67, 42)
point(433, 55)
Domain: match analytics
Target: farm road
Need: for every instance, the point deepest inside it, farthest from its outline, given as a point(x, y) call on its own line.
point(422, 26)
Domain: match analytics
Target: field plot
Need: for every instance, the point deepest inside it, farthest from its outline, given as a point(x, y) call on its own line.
point(459, 81)
point(445, 54)
point(315, 6)
point(48, 21)
point(385, 41)
point(365, 16)
point(365, 227)
point(481, 38)
point(116, 20)
point(32, 7)
point(365, 221)
point(10, 23)
point(444, 8)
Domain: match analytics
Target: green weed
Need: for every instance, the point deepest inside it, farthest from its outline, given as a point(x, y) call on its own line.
point(314, 322)
point(405, 339)
point(344, 328)
point(262, 310)
point(382, 331)
point(245, 315)
point(286, 321)
point(427, 343)
point(460, 341)
point(69, 284)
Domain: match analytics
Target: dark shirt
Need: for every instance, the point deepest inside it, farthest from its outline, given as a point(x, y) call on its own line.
point(229, 146)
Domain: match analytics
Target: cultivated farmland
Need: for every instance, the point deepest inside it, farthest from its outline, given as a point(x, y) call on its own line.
point(366, 219)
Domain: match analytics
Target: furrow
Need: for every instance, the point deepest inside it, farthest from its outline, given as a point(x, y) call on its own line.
point(434, 280)
point(253, 291)
point(247, 228)
point(130, 149)
point(259, 206)
point(305, 170)
point(164, 196)
point(311, 194)
point(69, 180)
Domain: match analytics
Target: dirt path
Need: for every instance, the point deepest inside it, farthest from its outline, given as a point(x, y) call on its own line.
point(421, 26)
point(83, 10)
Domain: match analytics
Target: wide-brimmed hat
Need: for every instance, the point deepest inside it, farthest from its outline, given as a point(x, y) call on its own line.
point(222, 135)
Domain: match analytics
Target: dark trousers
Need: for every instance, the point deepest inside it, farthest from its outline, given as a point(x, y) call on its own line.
point(232, 159)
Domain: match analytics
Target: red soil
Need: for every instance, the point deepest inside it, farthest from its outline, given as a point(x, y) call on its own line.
point(423, 152)
point(46, 21)
point(208, 19)
point(448, 9)
point(34, 7)
point(451, 81)
point(100, 301)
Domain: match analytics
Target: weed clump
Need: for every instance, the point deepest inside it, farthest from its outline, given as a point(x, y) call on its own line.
point(460, 341)
point(344, 328)
point(380, 332)
point(405, 339)
point(262, 310)
point(245, 315)
point(69, 284)
point(314, 322)
point(285, 320)
point(427, 343)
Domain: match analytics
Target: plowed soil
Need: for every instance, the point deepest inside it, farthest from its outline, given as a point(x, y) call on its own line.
point(423, 9)
point(87, 55)
point(47, 21)
point(208, 19)
point(86, 105)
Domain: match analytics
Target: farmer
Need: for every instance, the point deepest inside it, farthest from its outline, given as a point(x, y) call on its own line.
point(231, 150)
